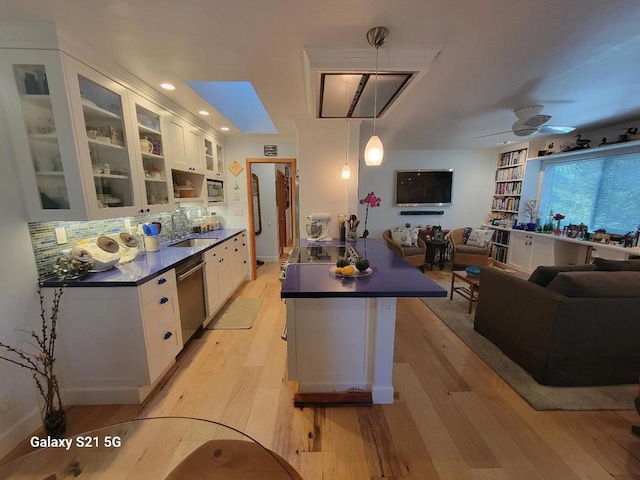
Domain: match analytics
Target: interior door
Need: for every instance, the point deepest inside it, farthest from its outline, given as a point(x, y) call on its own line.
point(281, 205)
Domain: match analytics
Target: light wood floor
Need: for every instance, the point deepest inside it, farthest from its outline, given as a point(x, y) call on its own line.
point(453, 417)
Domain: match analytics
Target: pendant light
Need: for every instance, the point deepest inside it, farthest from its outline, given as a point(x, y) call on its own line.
point(345, 173)
point(374, 151)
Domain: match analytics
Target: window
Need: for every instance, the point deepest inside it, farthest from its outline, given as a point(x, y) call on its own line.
point(601, 192)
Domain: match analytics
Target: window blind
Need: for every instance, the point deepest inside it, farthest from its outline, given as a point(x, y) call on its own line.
point(601, 192)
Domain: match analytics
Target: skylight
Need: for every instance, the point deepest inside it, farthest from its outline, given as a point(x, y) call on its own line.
point(238, 102)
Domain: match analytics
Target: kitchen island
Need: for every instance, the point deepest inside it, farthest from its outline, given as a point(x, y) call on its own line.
point(340, 330)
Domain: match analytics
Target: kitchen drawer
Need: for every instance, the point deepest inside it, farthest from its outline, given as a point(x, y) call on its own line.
point(157, 286)
point(159, 313)
point(163, 349)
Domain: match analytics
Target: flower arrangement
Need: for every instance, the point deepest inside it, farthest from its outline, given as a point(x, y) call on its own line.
point(370, 201)
point(40, 362)
point(557, 218)
point(530, 208)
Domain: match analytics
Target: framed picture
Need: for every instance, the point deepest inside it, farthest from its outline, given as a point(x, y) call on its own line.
point(438, 236)
point(601, 238)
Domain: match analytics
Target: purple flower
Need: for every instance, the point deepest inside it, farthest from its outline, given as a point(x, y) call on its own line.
point(371, 200)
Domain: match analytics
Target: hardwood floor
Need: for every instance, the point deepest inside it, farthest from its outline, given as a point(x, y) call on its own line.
point(453, 417)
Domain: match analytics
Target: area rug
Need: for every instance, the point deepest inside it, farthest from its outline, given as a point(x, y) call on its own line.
point(238, 314)
point(453, 314)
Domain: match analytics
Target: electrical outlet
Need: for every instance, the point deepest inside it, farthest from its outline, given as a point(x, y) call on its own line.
point(61, 235)
point(6, 401)
point(127, 224)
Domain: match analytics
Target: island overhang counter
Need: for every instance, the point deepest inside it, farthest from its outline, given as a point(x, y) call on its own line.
point(340, 330)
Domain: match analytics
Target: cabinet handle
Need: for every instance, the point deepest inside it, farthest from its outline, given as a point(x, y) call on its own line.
point(163, 300)
point(235, 249)
point(141, 211)
point(168, 335)
point(162, 280)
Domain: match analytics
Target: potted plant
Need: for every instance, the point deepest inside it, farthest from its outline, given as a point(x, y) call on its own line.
point(530, 208)
point(370, 201)
point(40, 360)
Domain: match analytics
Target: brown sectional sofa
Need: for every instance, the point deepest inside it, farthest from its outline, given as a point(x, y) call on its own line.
point(569, 326)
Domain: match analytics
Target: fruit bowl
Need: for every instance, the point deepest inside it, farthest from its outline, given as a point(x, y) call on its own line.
point(356, 273)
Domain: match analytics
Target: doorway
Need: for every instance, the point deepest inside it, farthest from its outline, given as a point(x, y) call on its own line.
point(285, 203)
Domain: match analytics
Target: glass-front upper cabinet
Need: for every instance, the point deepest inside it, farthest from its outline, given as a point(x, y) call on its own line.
point(154, 172)
point(208, 155)
point(40, 126)
point(106, 149)
point(34, 102)
point(219, 159)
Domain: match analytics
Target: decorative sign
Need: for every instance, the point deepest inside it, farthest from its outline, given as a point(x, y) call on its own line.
point(235, 168)
point(270, 150)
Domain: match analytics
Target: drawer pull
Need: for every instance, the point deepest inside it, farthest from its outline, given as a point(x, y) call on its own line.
point(162, 280)
point(168, 335)
point(163, 300)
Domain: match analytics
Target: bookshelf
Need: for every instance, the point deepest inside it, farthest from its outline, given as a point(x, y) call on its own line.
point(507, 185)
point(507, 192)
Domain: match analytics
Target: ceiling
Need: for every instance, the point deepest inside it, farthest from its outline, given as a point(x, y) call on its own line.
point(580, 59)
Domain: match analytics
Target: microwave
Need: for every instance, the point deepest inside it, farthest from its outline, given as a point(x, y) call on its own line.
point(215, 190)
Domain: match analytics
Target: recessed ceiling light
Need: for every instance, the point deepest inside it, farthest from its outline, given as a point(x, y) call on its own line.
point(203, 112)
point(167, 86)
point(224, 129)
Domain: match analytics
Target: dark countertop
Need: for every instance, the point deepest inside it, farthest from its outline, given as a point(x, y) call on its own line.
point(147, 266)
point(391, 277)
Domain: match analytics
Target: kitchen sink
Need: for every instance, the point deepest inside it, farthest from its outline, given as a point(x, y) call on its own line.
point(195, 242)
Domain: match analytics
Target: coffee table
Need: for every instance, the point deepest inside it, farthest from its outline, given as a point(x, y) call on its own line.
point(470, 288)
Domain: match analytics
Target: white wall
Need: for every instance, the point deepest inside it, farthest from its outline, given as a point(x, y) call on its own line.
point(19, 305)
point(321, 155)
point(472, 188)
point(267, 241)
point(234, 214)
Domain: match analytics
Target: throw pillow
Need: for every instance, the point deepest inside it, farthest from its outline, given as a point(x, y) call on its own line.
point(543, 275)
point(596, 284)
point(401, 236)
point(465, 235)
point(617, 265)
point(479, 237)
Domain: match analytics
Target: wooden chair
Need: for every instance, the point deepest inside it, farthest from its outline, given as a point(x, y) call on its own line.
point(465, 255)
point(413, 255)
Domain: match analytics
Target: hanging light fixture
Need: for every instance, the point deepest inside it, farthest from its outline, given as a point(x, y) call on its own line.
point(374, 151)
point(345, 173)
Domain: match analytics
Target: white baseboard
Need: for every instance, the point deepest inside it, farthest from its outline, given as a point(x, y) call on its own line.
point(19, 431)
point(269, 259)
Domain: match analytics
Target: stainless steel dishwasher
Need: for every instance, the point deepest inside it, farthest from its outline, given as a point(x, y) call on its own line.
point(191, 298)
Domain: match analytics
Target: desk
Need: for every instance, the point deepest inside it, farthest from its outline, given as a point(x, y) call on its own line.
point(435, 249)
point(168, 448)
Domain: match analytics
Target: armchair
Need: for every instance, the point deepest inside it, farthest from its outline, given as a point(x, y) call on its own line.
point(413, 255)
point(466, 255)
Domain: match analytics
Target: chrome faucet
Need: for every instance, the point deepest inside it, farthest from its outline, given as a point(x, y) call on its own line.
point(178, 211)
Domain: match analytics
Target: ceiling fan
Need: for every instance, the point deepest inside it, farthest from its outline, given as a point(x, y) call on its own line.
point(530, 121)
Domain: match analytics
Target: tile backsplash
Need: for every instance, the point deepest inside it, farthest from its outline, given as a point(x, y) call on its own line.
point(46, 249)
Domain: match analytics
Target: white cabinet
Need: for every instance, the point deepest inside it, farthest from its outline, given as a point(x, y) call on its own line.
point(239, 261)
point(214, 298)
point(186, 152)
point(105, 144)
point(75, 139)
point(149, 145)
point(527, 251)
point(117, 342)
point(34, 98)
point(226, 268)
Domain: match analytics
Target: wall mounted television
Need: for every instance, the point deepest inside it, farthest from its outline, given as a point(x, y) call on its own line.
point(423, 188)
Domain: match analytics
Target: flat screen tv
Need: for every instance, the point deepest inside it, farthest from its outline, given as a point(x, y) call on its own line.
point(423, 188)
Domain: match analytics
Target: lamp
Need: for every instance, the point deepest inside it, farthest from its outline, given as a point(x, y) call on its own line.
point(374, 151)
point(345, 173)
